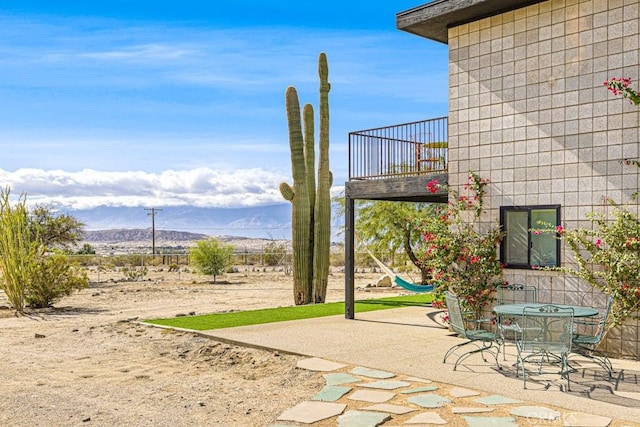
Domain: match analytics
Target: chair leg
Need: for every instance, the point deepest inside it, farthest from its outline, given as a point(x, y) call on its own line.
point(486, 346)
point(598, 357)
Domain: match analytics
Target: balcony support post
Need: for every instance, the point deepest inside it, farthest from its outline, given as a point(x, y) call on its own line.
point(349, 261)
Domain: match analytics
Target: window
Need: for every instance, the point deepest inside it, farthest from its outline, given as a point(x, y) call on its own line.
point(522, 248)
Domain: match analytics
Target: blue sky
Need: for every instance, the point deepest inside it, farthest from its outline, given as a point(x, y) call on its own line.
point(140, 103)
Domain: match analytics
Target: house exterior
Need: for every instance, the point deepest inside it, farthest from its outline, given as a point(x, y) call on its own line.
point(528, 110)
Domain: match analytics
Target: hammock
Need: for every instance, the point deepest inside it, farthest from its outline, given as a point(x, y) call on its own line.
point(413, 287)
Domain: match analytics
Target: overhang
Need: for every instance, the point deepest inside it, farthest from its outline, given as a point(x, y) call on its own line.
point(431, 20)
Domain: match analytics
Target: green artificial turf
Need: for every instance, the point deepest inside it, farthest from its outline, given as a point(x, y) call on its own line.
point(280, 314)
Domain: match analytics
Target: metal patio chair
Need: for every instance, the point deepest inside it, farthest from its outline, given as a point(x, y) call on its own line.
point(482, 340)
point(590, 332)
point(511, 294)
point(544, 338)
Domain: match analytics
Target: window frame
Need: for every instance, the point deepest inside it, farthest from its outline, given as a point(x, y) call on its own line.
point(528, 209)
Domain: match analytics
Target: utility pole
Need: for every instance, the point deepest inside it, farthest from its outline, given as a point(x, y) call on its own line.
point(152, 214)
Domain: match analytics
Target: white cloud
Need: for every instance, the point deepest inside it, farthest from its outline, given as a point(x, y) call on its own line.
point(200, 187)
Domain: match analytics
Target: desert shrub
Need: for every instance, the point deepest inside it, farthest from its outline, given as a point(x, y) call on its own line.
point(275, 253)
point(52, 278)
point(17, 250)
point(127, 260)
point(336, 259)
point(86, 249)
point(133, 273)
point(86, 260)
point(154, 261)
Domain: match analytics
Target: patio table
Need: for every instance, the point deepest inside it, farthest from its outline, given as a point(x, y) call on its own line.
point(517, 310)
point(506, 310)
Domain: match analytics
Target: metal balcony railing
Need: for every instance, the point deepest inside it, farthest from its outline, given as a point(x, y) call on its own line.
point(408, 149)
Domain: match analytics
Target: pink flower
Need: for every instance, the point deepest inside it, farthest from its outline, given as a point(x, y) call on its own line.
point(537, 232)
point(559, 229)
point(432, 186)
point(598, 243)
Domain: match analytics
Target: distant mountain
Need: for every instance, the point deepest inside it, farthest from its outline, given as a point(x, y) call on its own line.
point(268, 222)
point(139, 235)
point(264, 222)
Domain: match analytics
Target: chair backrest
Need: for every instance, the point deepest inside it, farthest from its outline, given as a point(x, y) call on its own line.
point(547, 328)
point(456, 319)
point(514, 293)
point(602, 325)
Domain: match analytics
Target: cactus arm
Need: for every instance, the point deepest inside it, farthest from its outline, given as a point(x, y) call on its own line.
point(286, 191)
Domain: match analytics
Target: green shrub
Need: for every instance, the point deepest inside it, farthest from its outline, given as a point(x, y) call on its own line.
point(51, 278)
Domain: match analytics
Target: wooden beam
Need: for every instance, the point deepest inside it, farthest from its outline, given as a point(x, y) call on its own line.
point(410, 189)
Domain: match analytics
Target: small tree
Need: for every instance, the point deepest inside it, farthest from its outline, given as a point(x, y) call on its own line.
point(212, 257)
point(386, 228)
point(54, 231)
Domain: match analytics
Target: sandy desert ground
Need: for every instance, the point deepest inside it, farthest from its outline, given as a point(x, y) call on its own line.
point(88, 362)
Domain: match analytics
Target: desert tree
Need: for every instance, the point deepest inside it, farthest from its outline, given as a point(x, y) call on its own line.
point(212, 257)
point(59, 231)
point(386, 227)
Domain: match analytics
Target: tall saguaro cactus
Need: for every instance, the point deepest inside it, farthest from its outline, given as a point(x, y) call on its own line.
point(310, 206)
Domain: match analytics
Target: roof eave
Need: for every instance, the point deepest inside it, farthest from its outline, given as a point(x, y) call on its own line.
point(432, 20)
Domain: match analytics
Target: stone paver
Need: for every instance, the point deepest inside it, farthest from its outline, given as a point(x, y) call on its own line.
point(420, 389)
point(372, 373)
point(463, 392)
point(427, 418)
point(312, 412)
point(317, 364)
point(418, 380)
point(362, 419)
point(372, 396)
point(491, 422)
point(332, 402)
point(331, 393)
point(340, 378)
point(429, 400)
point(470, 410)
point(392, 409)
point(386, 385)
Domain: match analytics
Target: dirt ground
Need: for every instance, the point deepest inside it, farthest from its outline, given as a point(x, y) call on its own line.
point(88, 362)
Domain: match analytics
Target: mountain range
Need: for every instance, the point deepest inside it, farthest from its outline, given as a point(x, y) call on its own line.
point(269, 222)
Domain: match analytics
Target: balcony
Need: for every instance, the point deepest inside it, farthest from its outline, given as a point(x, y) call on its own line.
point(396, 162)
point(410, 149)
